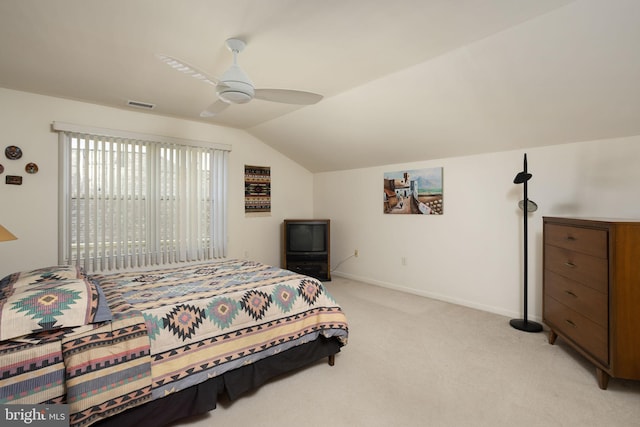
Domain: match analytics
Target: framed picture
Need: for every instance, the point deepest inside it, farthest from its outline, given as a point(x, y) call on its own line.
point(413, 192)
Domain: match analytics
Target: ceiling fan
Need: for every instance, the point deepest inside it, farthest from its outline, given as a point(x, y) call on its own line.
point(235, 87)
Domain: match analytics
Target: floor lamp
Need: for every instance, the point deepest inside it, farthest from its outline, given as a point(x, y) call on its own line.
point(526, 206)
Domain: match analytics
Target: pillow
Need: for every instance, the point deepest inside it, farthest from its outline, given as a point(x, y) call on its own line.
point(49, 299)
point(54, 273)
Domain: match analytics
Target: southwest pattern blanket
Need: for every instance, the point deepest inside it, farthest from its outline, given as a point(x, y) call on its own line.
point(32, 370)
point(107, 368)
point(170, 329)
point(98, 369)
point(206, 319)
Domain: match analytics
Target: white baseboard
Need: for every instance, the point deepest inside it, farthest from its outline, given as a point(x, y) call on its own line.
point(445, 298)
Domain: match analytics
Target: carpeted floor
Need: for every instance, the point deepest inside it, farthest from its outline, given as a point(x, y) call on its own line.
point(414, 361)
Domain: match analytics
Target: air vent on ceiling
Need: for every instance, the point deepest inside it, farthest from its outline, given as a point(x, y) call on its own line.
point(139, 104)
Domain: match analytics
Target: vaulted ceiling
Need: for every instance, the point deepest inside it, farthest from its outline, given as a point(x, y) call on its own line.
point(402, 80)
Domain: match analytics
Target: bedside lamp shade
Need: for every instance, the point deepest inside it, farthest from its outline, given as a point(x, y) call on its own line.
point(6, 235)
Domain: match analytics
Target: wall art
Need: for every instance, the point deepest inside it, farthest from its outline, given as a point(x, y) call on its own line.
point(257, 189)
point(13, 180)
point(413, 192)
point(12, 152)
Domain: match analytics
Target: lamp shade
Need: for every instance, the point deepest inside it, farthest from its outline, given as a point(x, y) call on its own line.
point(6, 235)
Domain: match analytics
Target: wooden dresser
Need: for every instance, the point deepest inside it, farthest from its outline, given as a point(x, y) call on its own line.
point(592, 291)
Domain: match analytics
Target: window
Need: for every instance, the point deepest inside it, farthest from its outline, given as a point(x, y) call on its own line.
point(129, 200)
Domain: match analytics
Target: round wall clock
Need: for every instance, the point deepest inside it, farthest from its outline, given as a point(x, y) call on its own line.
point(12, 152)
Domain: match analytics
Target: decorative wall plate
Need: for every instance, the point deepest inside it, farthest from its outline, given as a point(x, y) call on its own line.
point(1, 169)
point(31, 168)
point(12, 152)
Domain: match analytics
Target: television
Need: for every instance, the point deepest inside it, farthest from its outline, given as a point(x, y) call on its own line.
point(306, 237)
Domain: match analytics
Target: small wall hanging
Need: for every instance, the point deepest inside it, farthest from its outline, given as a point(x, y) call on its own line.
point(12, 152)
point(31, 168)
point(257, 189)
point(13, 180)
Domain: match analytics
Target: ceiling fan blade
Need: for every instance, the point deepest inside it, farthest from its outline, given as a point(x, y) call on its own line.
point(215, 108)
point(184, 67)
point(287, 96)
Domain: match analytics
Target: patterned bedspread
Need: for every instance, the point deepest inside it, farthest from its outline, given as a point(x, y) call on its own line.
point(32, 371)
point(207, 319)
point(61, 344)
point(98, 370)
point(170, 329)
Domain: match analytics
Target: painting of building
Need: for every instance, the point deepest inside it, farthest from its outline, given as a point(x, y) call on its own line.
point(413, 192)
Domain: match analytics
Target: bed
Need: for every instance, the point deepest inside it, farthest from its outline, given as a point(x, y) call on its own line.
point(119, 347)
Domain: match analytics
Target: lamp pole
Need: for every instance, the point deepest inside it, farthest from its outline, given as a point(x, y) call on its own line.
point(525, 324)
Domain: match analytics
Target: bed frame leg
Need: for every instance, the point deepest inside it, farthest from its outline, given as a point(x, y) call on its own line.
point(332, 359)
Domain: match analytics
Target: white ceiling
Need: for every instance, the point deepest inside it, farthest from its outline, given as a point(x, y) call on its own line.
point(403, 80)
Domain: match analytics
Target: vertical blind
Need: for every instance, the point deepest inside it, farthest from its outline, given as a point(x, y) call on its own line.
point(130, 200)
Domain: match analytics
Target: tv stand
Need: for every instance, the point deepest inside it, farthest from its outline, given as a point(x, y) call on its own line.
point(317, 269)
point(311, 264)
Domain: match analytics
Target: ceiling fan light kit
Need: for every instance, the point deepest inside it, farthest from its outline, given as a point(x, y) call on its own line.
point(239, 96)
point(235, 87)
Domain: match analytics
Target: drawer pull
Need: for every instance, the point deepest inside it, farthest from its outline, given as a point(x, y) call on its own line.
point(571, 238)
point(570, 264)
point(570, 293)
point(570, 323)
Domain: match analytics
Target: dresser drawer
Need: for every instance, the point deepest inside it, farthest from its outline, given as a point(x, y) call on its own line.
point(586, 269)
point(584, 300)
point(577, 328)
point(584, 240)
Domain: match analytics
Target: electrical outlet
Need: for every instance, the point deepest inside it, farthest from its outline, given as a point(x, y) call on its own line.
point(355, 253)
point(403, 260)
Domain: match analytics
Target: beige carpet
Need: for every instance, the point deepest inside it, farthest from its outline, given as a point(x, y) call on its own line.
point(413, 361)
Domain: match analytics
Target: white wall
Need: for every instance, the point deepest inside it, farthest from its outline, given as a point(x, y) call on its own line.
point(472, 255)
point(30, 210)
